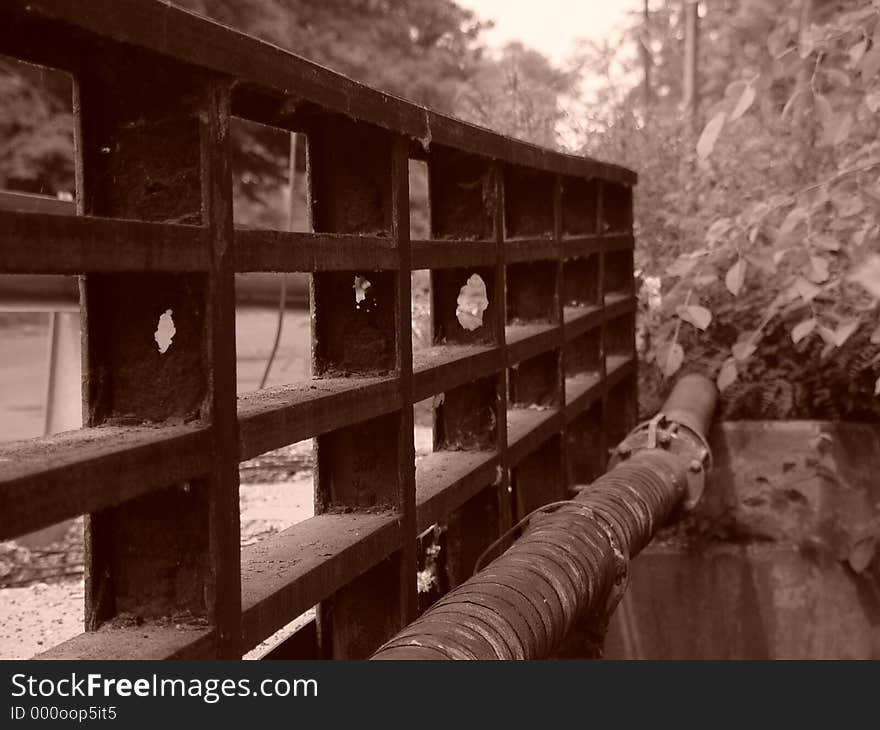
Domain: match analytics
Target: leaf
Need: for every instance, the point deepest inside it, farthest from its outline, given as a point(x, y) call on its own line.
point(742, 351)
point(717, 230)
point(828, 335)
point(870, 64)
point(823, 109)
point(807, 290)
point(705, 279)
point(818, 269)
point(849, 205)
point(673, 360)
point(839, 131)
point(839, 336)
point(877, 387)
point(735, 277)
point(821, 197)
point(681, 267)
point(845, 331)
point(795, 217)
point(735, 89)
point(710, 135)
point(779, 255)
point(861, 555)
point(789, 105)
point(779, 201)
point(836, 76)
point(777, 41)
point(762, 262)
point(857, 51)
point(698, 316)
point(860, 236)
point(875, 336)
point(746, 99)
point(826, 242)
point(807, 40)
point(872, 100)
point(803, 329)
point(728, 374)
point(868, 275)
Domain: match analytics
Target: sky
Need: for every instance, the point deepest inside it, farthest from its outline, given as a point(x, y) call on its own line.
point(550, 26)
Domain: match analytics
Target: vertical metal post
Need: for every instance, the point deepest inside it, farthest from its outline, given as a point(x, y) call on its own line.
point(406, 476)
point(358, 185)
point(463, 192)
point(534, 297)
point(152, 142)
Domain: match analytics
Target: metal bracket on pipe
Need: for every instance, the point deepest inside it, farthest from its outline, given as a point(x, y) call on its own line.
point(662, 433)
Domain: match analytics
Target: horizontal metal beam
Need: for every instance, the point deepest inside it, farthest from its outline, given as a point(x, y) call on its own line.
point(185, 36)
point(286, 574)
point(45, 243)
point(54, 478)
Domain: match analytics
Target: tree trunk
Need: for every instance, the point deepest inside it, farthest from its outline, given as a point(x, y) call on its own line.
point(691, 99)
point(645, 51)
point(804, 91)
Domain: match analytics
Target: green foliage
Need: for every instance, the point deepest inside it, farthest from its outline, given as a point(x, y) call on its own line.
point(36, 130)
point(517, 95)
point(423, 50)
point(767, 213)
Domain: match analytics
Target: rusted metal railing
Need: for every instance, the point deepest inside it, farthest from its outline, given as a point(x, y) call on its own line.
point(572, 561)
point(523, 401)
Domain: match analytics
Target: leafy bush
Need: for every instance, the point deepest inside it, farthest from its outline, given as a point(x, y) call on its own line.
point(763, 228)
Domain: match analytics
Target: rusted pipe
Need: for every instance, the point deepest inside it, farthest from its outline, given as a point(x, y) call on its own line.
point(692, 403)
point(572, 561)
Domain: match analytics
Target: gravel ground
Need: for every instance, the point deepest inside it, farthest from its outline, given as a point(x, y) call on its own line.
point(38, 616)
point(276, 488)
point(35, 617)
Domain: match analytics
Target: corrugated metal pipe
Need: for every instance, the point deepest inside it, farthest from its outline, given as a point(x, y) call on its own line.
point(571, 562)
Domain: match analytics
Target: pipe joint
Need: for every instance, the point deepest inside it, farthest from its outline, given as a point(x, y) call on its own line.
point(678, 439)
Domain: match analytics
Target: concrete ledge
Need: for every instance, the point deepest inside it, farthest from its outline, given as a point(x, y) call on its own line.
point(779, 561)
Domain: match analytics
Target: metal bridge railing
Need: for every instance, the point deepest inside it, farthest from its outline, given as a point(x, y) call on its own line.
point(531, 397)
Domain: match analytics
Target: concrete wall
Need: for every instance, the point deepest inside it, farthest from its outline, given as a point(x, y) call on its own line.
point(780, 559)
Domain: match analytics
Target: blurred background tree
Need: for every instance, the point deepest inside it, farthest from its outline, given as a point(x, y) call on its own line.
point(36, 130)
point(428, 51)
point(758, 202)
point(758, 220)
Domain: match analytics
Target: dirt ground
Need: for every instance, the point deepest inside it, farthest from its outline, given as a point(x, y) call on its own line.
point(275, 493)
point(37, 616)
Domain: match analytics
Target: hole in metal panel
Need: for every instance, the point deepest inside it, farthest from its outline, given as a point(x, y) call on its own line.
point(473, 300)
point(361, 284)
point(165, 331)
